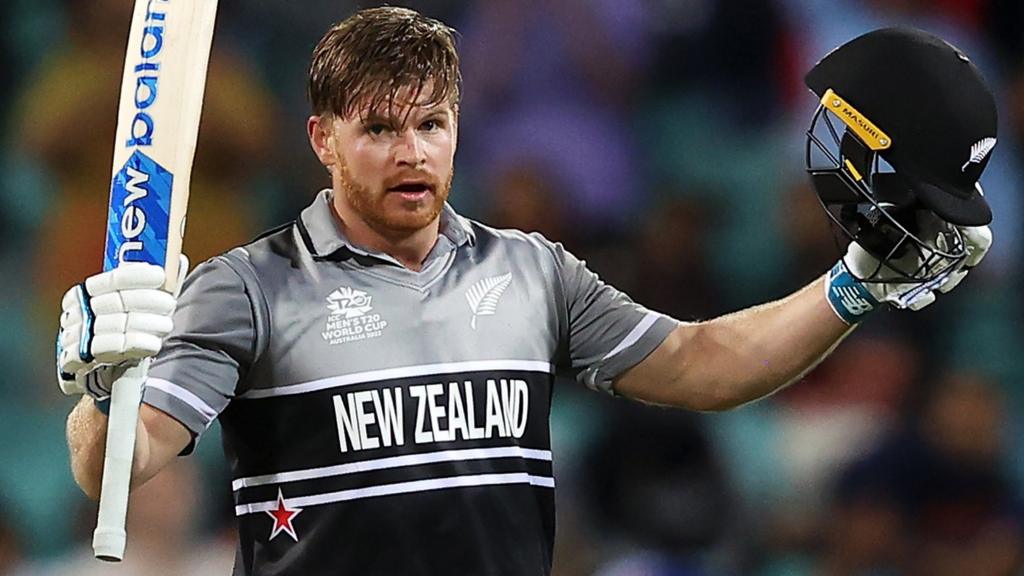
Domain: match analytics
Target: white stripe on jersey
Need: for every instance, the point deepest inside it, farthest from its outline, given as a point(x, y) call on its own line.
point(403, 372)
point(392, 462)
point(185, 396)
point(635, 334)
point(400, 488)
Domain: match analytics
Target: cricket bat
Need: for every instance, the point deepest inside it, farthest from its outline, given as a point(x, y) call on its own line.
point(157, 125)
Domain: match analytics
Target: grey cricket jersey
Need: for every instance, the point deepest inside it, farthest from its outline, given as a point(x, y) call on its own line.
point(383, 421)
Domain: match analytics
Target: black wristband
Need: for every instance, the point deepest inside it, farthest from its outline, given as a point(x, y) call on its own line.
point(102, 405)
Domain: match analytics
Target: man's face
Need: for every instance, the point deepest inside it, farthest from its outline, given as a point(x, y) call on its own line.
point(394, 170)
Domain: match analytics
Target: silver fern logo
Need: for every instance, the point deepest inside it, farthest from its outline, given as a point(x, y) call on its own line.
point(979, 150)
point(484, 295)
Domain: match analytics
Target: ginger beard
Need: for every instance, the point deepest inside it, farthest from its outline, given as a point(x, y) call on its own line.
point(386, 212)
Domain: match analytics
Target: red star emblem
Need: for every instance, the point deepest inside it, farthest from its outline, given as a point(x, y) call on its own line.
point(283, 516)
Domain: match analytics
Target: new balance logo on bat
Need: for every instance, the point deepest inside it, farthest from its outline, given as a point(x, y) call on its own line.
point(137, 221)
point(483, 297)
point(141, 189)
point(147, 77)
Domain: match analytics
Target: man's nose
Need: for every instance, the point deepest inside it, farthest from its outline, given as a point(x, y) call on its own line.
point(409, 149)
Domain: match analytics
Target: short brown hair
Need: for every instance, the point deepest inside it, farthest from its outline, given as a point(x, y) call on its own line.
point(366, 59)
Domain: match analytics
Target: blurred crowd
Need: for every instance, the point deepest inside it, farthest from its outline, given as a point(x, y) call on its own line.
point(661, 140)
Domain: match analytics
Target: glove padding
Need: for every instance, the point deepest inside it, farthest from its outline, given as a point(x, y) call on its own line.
point(851, 299)
point(111, 321)
point(916, 296)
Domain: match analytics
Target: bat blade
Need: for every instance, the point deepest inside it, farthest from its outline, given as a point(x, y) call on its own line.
point(158, 121)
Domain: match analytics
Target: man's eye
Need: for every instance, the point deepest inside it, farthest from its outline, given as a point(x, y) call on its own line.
point(430, 125)
point(376, 129)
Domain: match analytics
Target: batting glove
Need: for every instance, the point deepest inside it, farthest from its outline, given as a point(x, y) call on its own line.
point(109, 322)
point(852, 299)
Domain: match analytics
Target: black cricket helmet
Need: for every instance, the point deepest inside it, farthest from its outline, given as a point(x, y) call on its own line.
point(904, 129)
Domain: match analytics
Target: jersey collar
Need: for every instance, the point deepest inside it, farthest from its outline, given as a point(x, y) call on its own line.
point(326, 236)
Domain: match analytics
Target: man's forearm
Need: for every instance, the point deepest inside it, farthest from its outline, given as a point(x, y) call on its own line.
point(755, 352)
point(87, 437)
point(740, 357)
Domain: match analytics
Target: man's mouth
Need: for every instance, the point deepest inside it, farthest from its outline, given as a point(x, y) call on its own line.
point(411, 190)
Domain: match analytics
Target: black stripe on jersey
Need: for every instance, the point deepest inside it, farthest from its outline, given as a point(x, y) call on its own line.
point(504, 530)
point(268, 492)
point(388, 418)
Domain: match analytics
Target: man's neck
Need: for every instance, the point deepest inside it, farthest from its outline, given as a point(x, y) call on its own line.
point(409, 248)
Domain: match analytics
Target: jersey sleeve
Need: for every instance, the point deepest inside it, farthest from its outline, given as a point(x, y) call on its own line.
point(608, 333)
point(212, 345)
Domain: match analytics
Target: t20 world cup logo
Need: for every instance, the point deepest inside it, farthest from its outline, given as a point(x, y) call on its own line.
point(348, 303)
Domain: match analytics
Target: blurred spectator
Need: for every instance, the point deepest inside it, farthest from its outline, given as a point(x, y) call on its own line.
point(810, 243)
point(667, 263)
point(164, 533)
point(277, 37)
point(551, 81)
point(933, 499)
point(29, 28)
point(696, 49)
point(786, 452)
point(662, 502)
point(875, 370)
point(1002, 20)
point(11, 556)
point(711, 120)
point(529, 197)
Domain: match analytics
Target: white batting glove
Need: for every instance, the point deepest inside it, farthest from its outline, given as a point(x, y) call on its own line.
point(852, 300)
point(111, 321)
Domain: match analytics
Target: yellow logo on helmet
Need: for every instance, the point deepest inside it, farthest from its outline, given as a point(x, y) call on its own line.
point(865, 129)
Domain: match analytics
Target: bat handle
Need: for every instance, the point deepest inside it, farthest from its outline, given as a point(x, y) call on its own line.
point(108, 540)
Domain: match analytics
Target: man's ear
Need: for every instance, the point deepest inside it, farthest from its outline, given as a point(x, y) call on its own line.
point(319, 129)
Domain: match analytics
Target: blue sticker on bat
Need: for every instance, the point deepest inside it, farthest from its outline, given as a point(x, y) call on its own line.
point(140, 207)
